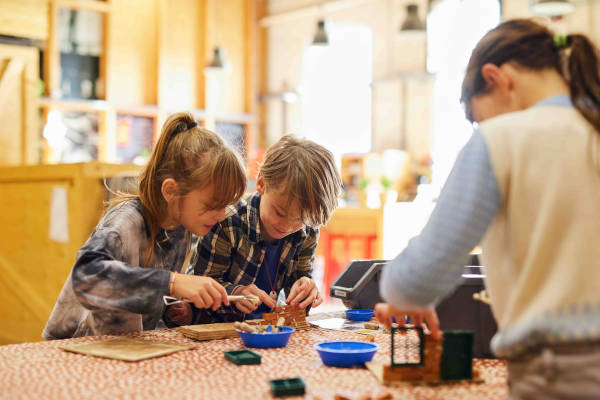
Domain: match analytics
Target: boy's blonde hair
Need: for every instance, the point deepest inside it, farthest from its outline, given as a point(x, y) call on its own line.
point(305, 172)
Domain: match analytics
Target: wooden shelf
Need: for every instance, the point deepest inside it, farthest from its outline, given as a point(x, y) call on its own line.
point(96, 6)
point(83, 105)
point(148, 70)
point(74, 105)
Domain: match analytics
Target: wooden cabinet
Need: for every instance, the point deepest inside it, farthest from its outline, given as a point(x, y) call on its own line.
point(24, 18)
point(46, 213)
point(152, 64)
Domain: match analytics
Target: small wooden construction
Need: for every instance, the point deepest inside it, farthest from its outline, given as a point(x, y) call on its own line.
point(294, 317)
point(447, 359)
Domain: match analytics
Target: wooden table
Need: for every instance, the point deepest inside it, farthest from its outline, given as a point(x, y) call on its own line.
point(42, 371)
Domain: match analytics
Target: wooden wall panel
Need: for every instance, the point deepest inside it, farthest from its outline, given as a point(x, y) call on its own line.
point(24, 18)
point(180, 64)
point(133, 49)
point(33, 264)
point(231, 32)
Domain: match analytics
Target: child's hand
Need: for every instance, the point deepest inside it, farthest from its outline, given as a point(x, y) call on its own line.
point(246, 306)
point(203, 291)
point(384, 313)
point(180, 313)
point(303, 293)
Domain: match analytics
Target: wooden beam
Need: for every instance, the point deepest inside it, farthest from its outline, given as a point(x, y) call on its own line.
point(51, 54)
point(251, 73)
point(74, 105)
point(161, 21)
point(96, 6)
point(202, 50)
point(312, 11)
point(210, 83)
point(30, 144)
point(262, 49)
point(104, 77)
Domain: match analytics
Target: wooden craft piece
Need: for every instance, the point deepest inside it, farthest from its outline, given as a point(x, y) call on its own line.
point(372, 325)
point(242, 326)
point(126, 349)
point(209, 331)
point(294, 317)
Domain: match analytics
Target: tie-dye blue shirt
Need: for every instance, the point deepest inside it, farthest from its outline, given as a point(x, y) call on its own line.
point(107, 291)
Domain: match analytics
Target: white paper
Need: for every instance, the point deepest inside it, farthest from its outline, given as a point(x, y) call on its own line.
point(339, 324)
point(59, 215)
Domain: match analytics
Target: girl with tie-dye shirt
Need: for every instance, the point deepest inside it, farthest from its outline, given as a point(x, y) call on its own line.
point(132, 258)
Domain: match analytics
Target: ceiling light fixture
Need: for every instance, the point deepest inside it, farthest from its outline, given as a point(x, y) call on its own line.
point(552, 8)
point(412, 22)
point(321, 38)
point(218, 59)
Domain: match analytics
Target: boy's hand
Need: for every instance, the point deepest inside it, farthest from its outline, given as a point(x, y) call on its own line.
point(246, 306)
point(303, 293)
point(203, 291)
point(180, 313)
point(384, 313)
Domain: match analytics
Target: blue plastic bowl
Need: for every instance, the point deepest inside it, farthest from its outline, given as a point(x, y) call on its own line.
point(268, 339)
point(346, 354)
point(359, 315)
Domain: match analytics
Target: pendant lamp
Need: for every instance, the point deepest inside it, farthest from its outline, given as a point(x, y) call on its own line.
point(412, 22)
point(552, 8)
point(321, 38)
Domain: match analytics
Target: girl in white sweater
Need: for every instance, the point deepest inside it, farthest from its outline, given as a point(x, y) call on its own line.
point(527, 188)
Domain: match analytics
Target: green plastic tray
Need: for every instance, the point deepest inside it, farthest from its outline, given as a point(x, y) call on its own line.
point(242, 357)
point(287, 387)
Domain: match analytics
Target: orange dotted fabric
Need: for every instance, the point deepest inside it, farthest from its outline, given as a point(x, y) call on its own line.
point(42, 370)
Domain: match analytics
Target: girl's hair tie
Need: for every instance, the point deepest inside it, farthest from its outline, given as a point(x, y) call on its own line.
point(560, 41)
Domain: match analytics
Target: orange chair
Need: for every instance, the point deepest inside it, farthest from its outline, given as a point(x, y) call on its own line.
point(335, 263)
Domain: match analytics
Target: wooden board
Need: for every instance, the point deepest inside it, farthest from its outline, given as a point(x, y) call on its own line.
point(209, 331)
point(379, 372)
point(126, 349)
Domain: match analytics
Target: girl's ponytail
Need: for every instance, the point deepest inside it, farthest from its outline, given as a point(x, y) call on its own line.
point(534, 46)
point(149, 187)
point(583, 71)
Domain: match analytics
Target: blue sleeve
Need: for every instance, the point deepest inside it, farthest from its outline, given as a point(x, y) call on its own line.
point(432, 264)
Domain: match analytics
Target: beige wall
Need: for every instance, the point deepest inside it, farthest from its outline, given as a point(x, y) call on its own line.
point(399, 62)
point(393, 56)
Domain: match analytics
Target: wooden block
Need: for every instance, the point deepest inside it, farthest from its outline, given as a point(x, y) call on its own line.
point(209, 331)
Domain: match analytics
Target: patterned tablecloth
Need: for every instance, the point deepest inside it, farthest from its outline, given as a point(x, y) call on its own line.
point(42, 371)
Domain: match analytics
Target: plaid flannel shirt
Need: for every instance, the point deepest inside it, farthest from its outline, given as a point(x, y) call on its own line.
point(234, 250)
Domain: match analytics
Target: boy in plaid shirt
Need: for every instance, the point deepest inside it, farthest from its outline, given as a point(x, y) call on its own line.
point(267, 241)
